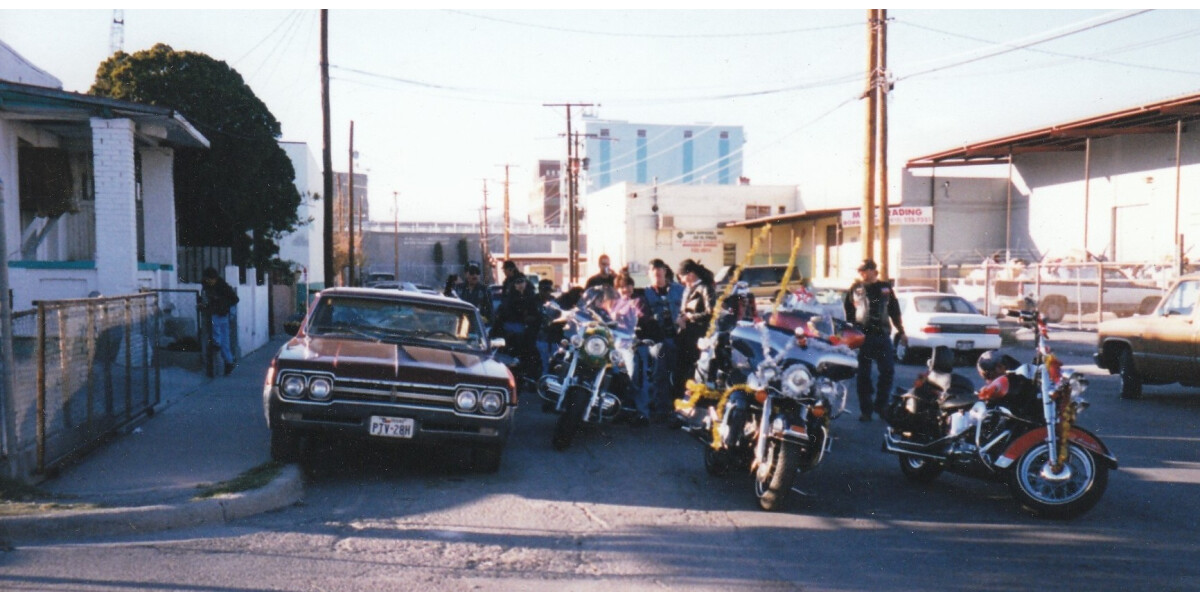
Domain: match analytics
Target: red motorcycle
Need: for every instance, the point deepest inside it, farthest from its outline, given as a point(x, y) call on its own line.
point(1027, 439)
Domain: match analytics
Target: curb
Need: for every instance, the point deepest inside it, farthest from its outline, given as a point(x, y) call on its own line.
point(283, 491)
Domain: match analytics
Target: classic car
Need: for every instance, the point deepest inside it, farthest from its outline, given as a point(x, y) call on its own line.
point(401, 367)
point(1161, 347)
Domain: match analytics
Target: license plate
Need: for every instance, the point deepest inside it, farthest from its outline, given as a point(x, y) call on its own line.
point(964, 345)
point(395, 427)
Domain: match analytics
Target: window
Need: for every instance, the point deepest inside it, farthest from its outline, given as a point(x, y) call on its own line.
point(756, 211)
point(1182, 300)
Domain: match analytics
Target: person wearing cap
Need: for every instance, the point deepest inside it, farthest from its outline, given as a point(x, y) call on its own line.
point(217, 300)
point(871, 304)
point(473, 291)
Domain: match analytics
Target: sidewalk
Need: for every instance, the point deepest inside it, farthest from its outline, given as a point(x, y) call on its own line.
point(205, 432)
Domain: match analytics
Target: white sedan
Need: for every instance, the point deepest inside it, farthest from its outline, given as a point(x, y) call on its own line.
point(932, 319)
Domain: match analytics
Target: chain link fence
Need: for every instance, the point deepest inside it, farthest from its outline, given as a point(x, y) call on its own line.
point(82, 369)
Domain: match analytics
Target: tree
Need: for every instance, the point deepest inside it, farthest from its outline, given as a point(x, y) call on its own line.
point(439, 259)
point(239, 192)
point(463, 256)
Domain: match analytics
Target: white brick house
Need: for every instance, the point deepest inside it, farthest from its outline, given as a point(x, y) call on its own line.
point(88, 188)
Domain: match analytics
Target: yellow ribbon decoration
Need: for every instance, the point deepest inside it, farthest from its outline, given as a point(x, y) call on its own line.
point(787, 276)
point(737, 274)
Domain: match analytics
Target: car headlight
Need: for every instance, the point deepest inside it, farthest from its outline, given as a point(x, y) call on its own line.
point(491, 402)
point(466, 400)
point(595, 346)
point(292, 386)
point(320, 388)
point(797, 380)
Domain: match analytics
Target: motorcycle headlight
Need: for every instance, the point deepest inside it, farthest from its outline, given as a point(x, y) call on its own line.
point(466, 400)
point(615, 357)
point(595, 346)
point(491, 402)
point(797, 380)
point(320, 388)
point(767, 374)
point(577, 340)
point(292, 386)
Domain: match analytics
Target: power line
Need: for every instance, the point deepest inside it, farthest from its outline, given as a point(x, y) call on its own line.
point(1033, 41)
point(1092, 58)
point(264, 39)
point(656, 35)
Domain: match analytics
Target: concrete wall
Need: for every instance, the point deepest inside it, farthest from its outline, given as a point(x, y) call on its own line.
point(970, 216)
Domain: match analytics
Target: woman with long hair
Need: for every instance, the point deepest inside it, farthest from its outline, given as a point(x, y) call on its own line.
point(699, 295)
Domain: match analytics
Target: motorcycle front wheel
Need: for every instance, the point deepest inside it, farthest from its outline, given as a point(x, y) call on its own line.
point(574, 406)
point(773, 478)
point(1049, 496)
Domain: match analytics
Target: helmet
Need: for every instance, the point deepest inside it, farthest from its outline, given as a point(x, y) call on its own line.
point(990, 360)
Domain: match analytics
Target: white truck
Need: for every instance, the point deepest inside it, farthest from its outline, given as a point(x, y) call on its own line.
point(1057, 290)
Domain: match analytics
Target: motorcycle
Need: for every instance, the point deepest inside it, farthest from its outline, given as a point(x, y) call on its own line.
point(589, 373)
point(768, 396)
point(1027, 438)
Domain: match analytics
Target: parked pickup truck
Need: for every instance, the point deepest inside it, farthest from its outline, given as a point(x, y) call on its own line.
point(1162, 347)
point(1068, 288)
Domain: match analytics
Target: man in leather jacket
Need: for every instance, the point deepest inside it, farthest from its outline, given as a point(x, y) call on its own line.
point(871, 304)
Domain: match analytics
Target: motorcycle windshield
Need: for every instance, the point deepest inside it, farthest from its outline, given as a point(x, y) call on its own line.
point(603, 304)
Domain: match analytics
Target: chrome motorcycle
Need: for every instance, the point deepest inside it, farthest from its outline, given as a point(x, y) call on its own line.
point(589, 374)
point(1027, 438)
point(767, 401)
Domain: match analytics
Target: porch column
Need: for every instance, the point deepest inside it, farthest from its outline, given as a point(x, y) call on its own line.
point(116, 214)
point(158, 208)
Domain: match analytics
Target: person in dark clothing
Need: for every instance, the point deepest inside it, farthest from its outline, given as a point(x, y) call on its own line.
point(517, 322)
point(871, 304)
point(606, 276)
point(473, 291)
point(451, 288)
point(217, 299)
point(699, 297)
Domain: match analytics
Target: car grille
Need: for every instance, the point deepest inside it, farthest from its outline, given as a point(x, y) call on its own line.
point(392, 392)
point(946, 328)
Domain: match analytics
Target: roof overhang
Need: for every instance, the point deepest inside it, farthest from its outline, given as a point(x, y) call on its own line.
point(68, 114)
point(773, 220)
point(1165, 117)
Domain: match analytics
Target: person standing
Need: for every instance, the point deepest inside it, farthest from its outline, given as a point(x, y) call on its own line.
point(699, 295)
point(606, 276)
point(474, 292)
point(217, 300)
point(663, 300)
point(517, 322)
point(871, 304)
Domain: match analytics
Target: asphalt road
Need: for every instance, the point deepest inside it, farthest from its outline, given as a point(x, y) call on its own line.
point(633, 509)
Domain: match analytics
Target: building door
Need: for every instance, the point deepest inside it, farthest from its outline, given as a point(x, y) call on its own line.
point(831, 249)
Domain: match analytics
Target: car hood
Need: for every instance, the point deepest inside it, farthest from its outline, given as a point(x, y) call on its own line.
point(364, 359)
point(1125, 328)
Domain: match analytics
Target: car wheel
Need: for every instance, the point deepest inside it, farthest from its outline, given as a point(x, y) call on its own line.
point(285, 445)
point(1054, 309)
point(1131, 382)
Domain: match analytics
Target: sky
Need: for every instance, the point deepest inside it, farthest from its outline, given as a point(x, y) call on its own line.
point(441, 100)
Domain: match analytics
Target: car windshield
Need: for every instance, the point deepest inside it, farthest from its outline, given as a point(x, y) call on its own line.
point(943, 304)
point(391, 320)
point(1182, 300)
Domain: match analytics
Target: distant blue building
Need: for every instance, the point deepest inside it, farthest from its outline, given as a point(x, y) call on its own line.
point(674, 154)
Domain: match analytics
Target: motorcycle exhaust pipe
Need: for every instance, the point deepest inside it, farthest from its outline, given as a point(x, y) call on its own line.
point(895, 446)
point(549, 388)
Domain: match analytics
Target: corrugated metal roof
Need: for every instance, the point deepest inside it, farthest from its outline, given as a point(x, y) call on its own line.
point(1158, 118)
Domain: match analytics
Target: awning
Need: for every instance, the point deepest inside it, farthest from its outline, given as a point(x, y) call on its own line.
point(1158, 118)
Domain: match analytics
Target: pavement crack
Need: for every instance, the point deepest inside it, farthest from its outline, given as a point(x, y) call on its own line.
point(593, 517)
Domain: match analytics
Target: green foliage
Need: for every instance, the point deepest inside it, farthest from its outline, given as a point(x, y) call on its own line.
point(244, 182)
point(463, 254)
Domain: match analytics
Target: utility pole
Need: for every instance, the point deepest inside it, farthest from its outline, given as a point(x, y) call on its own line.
point(572, 198)
point(506, 217)
point(882, 88)
point(396, 230)
point(867, 227)
point(326, 152)
point(483, 232)
point(350, 209)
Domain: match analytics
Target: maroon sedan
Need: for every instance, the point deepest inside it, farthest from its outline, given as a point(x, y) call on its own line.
point(393, 366)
